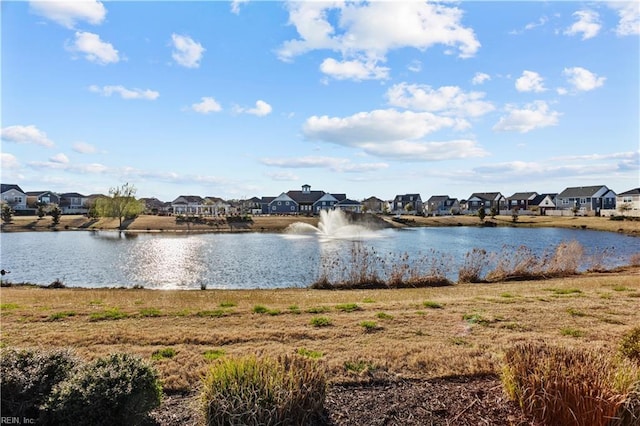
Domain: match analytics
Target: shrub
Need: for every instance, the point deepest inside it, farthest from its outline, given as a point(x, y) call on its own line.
point(260, 309)
point(431, 304)
point(474, 263)
point(566, 386)
point(213, 354)
point(163, 353)
point(320, 322)
point(630, 345)
point(118, 389)
point(369, 326)
point(348, 307)
point(28, 377)
point(252, 391)
point(309, 353)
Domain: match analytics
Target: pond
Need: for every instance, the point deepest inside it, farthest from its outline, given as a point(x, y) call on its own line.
point(263, 260)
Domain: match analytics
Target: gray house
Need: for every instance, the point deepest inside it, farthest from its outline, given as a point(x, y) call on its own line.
point(440, 205)
point(13, 196)
point(41, 198)
point(521, 200)
point(407, 203)
point(283, 204)
point(586, 200)
point(73, 203)
point(488, 200)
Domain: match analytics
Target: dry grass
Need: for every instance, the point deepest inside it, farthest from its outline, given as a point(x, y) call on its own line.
point(279, 223)
point(415, 342)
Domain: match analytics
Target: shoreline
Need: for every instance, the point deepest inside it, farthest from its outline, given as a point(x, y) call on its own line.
point(165, 224)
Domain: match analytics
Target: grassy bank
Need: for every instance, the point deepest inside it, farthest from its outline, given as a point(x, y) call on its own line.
point(149, 223)
point(358, 334)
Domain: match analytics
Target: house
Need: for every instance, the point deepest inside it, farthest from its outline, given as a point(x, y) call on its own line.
point(188, 204)
point(41, 198)
point(73, 203)
point(326, 202)
point(521, 200)
point(409, 203)
point(216, 206)
point(305, 199)
point(252, 206)
point(13, 196)
point(586, 200)
point(264, 204)
point(154, 206)
point(543, 202)
point(373, 205)
point(349, 206)
point(628, 202)
point(439, 205)
point(283, 204)
point(488, 200)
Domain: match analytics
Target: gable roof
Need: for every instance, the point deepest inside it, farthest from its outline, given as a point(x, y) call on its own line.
point(305, 197)
point(71, 195)
point(582, 191)
point(634, 191)
point(523, 196)
point(486, 196)
point(8, 187)
point(408, 197)
point(373, 199)
point(348, 202)
point(189, 199)
point(437, 199)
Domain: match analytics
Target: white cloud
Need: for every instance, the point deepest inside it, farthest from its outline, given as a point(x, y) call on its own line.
point(187, 52)
point(283, 176)
point(450, 100)
point(94, 49)
point(587, 24)
point(533, 116)
point(629, 13)
point(59, 158)
point(582, 79)
point(8, 161)
point(426, 151)
point(68, 13)
point(377, 126)
point(415, 66)
point(26, 134)
point(332, 163)
point(84, 148)
point(206, 105)
point(261, 109)
point(235, 5)
point(368, 31)
point(126, 93)
point(530, 81)
point(354, 70)
point(392, 134)
point(480, 78)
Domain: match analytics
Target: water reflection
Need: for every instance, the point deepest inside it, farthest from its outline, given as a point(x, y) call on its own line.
point(167, 263)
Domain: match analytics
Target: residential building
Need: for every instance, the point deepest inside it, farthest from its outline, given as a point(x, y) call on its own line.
point(41, 198)
point(543, 203)
point(326, 202)
point(216, 206)
point(305, 199)
point(521, 200)
point(488, 200)
point(439, 205)
point(283, 204)
point(628, 202)
point(373, 205)
point(13, 196)
point(188, 205)
point(586, 200)
point(349, 206)
point(407, 203)
point(73, 203)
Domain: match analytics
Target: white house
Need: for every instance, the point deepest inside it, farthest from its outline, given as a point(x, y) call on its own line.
point(628, 202)
point(13, 196)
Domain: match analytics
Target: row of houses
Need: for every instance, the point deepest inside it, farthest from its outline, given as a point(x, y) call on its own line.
point(583, 200)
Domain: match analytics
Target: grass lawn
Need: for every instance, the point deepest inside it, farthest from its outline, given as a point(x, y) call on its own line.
point(357, 334)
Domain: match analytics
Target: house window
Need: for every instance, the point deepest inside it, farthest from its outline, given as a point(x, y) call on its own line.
point(514, 202)
point(583, 201)
point(627, 200)
point(292, 208)
point(279, 203)
point(286, 203)
point(565, 201)
point(273, 208)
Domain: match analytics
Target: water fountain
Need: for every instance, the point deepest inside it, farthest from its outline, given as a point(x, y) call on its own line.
point(333, 224)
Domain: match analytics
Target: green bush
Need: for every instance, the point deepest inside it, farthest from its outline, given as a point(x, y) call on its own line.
point(27, 377)
point(252, 391)
point(118, 389)
point(630, 345)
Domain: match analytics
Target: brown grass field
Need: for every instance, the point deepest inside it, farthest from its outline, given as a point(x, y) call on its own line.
point(411, 333)
point(150, 223)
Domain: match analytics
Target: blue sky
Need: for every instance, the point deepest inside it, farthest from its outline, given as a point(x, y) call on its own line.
point(254, 98)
